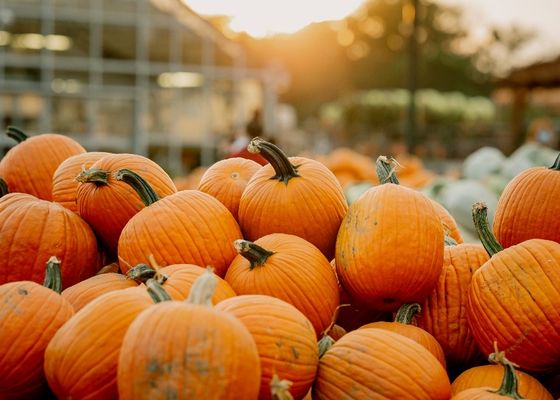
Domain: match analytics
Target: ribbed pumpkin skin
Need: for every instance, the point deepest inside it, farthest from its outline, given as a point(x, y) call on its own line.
point(389, 249)
point(371, 364)
point(33, 230)
point(188, 227)
point(483, 393)
point(81, 359)
point(415, 333)
point(107, 208)
point(444, 312)
point(28, 167)
point(80, 294)
point(29, 317)
point(226, 180)
point(315, 200)
point(514, 300)
point(285, 341)
point(297, 273)
point(64, 184)
point(527, 208)
point(492, 375)
point(176, 350)
point(181, 278)
point(449, 223)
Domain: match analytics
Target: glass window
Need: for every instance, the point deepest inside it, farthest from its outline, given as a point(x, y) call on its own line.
point(69, 115)
point(114, 116)
point(119, 42)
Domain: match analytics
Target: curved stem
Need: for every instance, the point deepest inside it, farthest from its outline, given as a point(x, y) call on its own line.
point(556, 165)
point(509, 384)
point(93, 175)
point(276, 157)
point(203, 289)
point(53, 278)
point(142, 272)
point(254, 253)
point(157, 291)
point(139, 184)
point(325, 344)
point(487, 238)
point(280, 388)
point(385, 168)
point(4, 190)
point(17, 134)
point(406, 313)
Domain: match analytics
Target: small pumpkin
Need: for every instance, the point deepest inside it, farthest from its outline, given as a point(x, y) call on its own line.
point(449, 224)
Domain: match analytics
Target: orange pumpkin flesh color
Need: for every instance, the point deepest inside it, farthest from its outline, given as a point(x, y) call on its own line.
point(30, 316)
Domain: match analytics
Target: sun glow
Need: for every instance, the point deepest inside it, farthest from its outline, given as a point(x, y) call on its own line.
point(267, 17)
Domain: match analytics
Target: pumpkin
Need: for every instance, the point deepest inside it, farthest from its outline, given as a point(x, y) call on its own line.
point(81, 359)
point(351, 167)
point(403, 326)
point(64, 183)
point(289, 190)
point(449, 225)
point(444, 312)
point(105, 199)
point(4, 190)
point(514, 298)
point(82, 293)
point(190, 181)
point(289, 268)
point(188, 350)
point(389, 249)
point(32, 230)
point(526, 209)
point(178, 279)
point(375, 363)
point(188, 227)
point(30, 316)
point(285, 341)
point(28, 167)
point(226, 180)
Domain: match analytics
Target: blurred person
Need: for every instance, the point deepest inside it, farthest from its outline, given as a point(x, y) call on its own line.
point(541, 131)
point(238, 147)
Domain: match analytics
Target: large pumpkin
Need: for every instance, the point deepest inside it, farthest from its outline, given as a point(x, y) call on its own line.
point(33, 230)
point(30, 315)
point(188, 350)
point(105, 199)
point(295, 195)
point(291, 269)
point(28, 167)
point(285, 341)
point(389, 249)
point(378, 364)
point(527, 210)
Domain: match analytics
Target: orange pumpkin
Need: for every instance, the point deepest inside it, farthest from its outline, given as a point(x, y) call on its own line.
point(449, 225)
point(289, 190)
point(285, 341)
point(105, 199)
point(30, 316)
point(389, 249)
point(226, 180)
point(291, 269)
point(190, 181)
point(65, 185)
point(32, 230)
point(375, 363)
point(526, 210)
point(28, 167)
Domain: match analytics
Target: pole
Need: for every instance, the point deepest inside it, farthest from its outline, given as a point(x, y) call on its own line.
point(412, 79)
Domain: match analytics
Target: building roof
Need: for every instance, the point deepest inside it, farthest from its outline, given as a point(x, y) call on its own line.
point(542, 74)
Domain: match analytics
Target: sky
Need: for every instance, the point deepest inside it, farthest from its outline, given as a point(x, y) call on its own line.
point(265, 17)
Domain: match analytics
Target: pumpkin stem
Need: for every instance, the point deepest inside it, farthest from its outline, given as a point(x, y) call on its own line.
point(385, 168)
point(53, 278)
point(157, 291)
point(325, 344)
point(93, 175)
point(283, 168)
point(406, 313)
point(142, 272)
point(203, 289)
point(556, 165)
point(256, 255)
point(487, 238)
point(449, 241)
point(139, 184)
point(17, 134)
point(280, 388)
point(509, 384)
point(3, 188)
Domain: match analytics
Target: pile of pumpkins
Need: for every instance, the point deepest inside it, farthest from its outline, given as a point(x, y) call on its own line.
point(263, 283)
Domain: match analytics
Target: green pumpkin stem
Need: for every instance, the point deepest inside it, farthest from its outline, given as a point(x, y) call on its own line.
point(487, 238)
point(3, 188)
point(385, 168)
point(283, 168)
point(406, 313)
point(509, 384)
point(280, 388)
point(157, 291)
point(556, 165)
point(449, 241)
point(325, 344)
point(203, 289)
point(254, 253)
point(94, 175)
point(142, 272)
point(17, 134)
point(139, 184)
point(53, 278)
